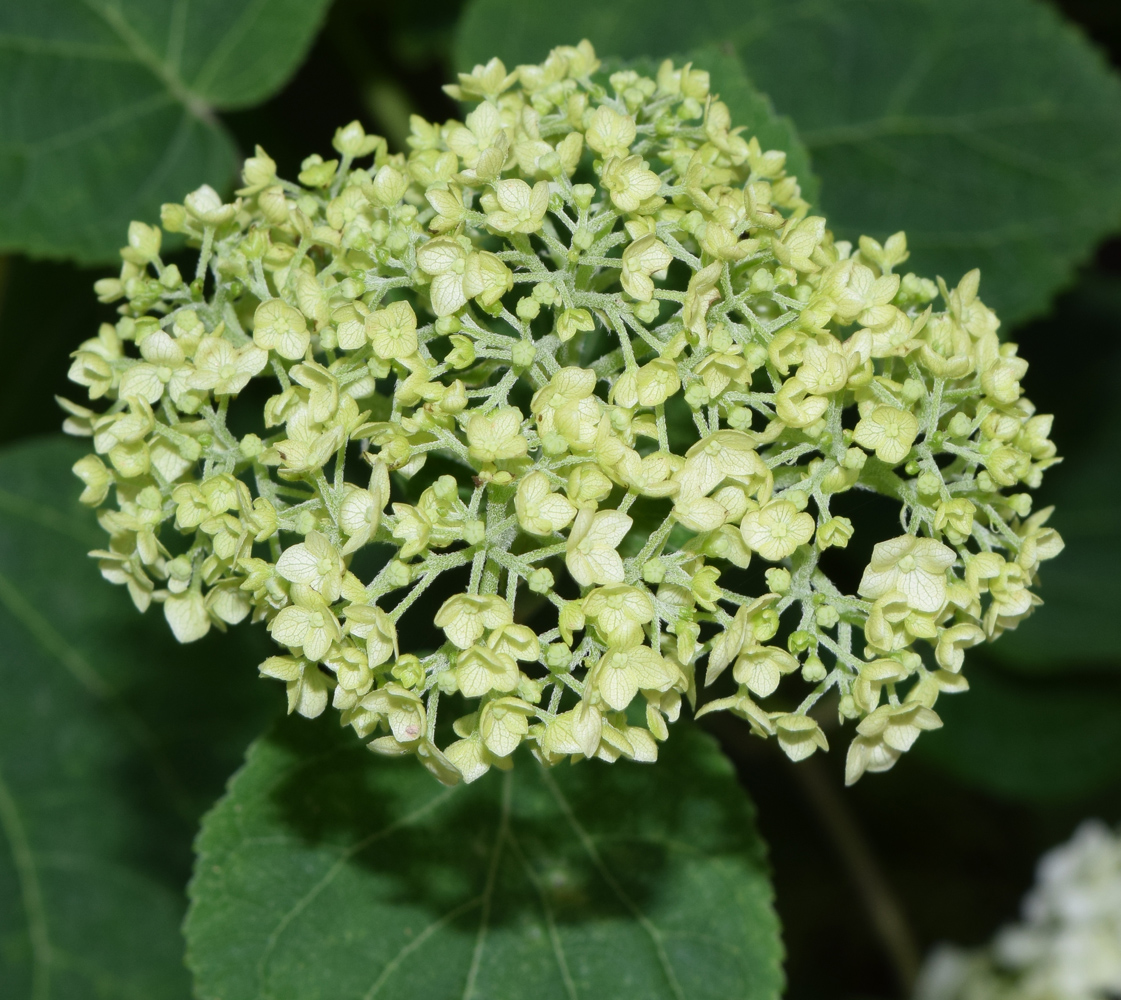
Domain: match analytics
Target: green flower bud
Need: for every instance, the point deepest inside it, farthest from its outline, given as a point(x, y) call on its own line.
point(250, 446)
point(928, 484)
point(173, 218)
point(813, 670)
point(397, 574)
point(800, 641)
point(527, 308)
point(351, 140)
point(826, 616)
point(540, 581)
point(778, 580)
point(316, 173)
point(408, 671)
point(523, 353)
point(558, 658)
point(143, 243)
point(653, 571)
point(835, 532)
point(462, 354)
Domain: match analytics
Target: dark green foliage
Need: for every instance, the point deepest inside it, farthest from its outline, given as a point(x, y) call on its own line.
point(328, 873)
point(113, 739)
point(108, 108)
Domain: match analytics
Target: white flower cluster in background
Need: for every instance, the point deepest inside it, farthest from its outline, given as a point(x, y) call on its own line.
point(1068, 944)
point(588, 355)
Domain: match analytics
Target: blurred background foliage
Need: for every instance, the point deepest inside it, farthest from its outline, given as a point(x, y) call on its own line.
point(866, 879)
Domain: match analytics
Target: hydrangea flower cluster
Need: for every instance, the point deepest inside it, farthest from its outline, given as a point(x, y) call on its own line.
point(596, 336)
point(1068, 945)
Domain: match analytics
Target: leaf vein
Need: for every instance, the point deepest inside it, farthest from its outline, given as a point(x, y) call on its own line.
point(32, 893)
point(55, 645)
point(656, 936)
point(333, 872)
point(488, 888)
point(87, 130)
point(896, 126)
point(407, 949)
point(28, 45)
point(49, 638)
point(161, 70)
point(229, 42)
point(550, 921)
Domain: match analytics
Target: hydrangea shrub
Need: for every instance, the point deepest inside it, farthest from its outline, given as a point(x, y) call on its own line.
point(647, 365)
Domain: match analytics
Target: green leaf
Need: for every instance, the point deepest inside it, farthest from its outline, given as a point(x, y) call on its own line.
point(113, 739)
point(327, 872)
point(990, 131)
point(109, 108)
point(1029, 738)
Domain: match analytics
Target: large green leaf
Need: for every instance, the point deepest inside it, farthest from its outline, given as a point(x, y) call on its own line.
point(107, 108)
point(988, 129)
point(1030, 738)
point(113, 739)
point(326, 872)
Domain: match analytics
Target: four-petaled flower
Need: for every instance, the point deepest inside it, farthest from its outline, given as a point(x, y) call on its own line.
point(521, 207)
point(496, 436)
point(776, 529)
point(630, 182)
point(619, 612)
point(540, 510)
point(590, 552)
point(645, 256)
point(889, 431)
point(911, 566)
point(314, 562)
point(465, 617)
point(392, 330)
point(224, 369)
point(278, 327)
point(621, 673)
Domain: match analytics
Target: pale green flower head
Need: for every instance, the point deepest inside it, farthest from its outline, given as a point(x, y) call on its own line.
point(586, 366)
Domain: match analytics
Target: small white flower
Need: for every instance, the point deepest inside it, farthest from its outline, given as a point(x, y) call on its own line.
point(540, 510)
point(314, 562)
point(590, 554)
point(278, 327)
point(521, 208)
point(914, 567)
point(776, 529)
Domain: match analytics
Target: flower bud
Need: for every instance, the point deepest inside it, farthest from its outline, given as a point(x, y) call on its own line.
point(813, 671)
